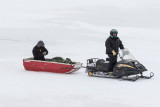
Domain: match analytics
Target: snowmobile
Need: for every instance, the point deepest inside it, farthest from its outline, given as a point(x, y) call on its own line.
point(128, 68)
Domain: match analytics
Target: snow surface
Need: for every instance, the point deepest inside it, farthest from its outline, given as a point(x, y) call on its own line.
point(77, 29)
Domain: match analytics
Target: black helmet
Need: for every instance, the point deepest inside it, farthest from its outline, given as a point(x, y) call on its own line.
point(113, 31)
point(40, 44)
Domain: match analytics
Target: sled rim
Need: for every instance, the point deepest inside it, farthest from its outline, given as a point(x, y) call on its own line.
point(28, 60)
point(76, 67)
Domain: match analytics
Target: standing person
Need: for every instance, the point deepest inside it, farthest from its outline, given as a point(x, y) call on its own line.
point(39, 51)
point(113, 43)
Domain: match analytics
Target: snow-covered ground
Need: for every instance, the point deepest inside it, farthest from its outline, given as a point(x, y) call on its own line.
point(77, 29)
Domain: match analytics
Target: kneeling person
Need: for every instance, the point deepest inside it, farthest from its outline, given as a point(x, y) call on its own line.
point(39, 51)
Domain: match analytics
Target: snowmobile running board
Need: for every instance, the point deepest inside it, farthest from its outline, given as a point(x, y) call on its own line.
point(134, 78)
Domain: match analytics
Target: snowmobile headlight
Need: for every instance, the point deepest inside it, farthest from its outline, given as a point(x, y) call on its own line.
point(136, 63)
point(124, 65)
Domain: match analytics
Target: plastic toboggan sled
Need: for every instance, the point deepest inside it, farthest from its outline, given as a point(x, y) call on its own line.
point(49, 66)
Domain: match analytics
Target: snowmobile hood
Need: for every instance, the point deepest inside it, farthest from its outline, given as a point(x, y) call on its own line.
point(128, 67)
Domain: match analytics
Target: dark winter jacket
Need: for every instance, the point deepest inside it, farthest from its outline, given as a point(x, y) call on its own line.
point(38, 53)
point(113, 44)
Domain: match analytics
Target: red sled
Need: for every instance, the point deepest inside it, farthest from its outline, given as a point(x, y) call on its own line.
point(55, 67)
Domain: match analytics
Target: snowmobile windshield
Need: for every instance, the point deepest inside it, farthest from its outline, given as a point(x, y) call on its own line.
point(127, 55)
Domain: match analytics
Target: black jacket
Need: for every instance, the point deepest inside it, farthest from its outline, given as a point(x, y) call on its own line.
point(113, 44)
point(38, 53)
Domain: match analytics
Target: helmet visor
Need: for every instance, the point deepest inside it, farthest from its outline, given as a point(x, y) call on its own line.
point(114, 34)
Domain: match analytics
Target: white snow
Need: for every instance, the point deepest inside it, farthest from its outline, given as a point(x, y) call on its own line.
point(77, 29)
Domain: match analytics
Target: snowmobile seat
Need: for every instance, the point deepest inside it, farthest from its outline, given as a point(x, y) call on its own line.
point(102, 65)
point(107, 59)
point(90, 61)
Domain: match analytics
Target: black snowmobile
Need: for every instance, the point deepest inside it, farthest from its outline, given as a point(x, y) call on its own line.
point(128, 68)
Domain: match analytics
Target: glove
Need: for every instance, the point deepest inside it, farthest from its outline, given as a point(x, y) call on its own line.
point(44, 53)
point(114, 53)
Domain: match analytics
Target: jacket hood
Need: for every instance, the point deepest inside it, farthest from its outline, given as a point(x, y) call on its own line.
point(40, 44)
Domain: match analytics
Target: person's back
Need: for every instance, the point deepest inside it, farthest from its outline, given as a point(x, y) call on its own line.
point(39, 51)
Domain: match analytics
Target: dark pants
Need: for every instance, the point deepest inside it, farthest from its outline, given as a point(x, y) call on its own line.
point(113, 61)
